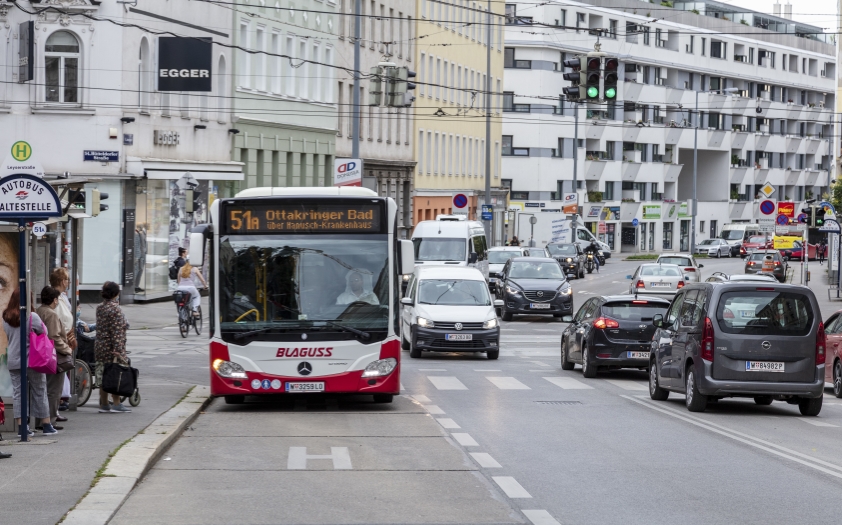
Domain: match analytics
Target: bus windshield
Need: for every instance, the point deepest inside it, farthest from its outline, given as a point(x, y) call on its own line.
point(437, 249)
point(270, 285)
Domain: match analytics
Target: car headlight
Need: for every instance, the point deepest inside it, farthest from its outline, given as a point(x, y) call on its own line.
point(491, 323)
point(569, 259)
point(566, 289)
point(406, 277)
point(381, 367)
point(512, 291)
point(229, 369)
point(426, 323)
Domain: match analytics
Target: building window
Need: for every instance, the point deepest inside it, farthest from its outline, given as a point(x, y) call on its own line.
point(718, 49)
point(562, 21)
point(612, 29)
point(508, 101)
point(704, 46)
point(645, 36)
point(608, 194)
point(61, 68)
point(145, 77)
point(689, 47)
point(580, 20)
point(507, 145)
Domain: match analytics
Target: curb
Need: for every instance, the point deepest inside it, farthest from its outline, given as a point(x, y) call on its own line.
point(134, 459)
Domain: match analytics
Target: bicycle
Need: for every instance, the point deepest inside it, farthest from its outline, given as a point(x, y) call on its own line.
point(186, 319)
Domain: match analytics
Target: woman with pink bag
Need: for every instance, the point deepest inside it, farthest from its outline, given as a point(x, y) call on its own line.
point(37, 381)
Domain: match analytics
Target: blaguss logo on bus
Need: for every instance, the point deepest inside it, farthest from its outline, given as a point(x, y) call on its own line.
point(305, 352)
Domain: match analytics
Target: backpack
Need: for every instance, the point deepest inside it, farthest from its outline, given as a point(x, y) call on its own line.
point(173, 272)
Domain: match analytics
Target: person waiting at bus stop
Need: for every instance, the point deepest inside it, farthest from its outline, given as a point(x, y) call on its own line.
point(357, 289)
point(110, 345)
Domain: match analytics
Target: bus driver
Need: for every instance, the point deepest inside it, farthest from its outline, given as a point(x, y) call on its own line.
point(357, 288)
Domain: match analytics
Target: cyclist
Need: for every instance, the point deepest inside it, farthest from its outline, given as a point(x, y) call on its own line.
point(593, 248)
point(186, 284)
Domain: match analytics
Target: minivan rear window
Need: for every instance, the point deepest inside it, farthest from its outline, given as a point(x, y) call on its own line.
point(765, 313)
point(628, 311)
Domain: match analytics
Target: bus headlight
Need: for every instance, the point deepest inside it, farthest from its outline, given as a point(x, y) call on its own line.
point(426, 323)
point(229, 369)
point(491, 323)
point(381, 367)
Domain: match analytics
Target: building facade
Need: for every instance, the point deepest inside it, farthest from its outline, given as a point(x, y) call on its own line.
point(284, 97)
point(451, 57)
point(766, 97)
point(386, 134)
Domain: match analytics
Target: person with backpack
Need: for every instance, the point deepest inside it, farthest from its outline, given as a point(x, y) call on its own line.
point(178, 263)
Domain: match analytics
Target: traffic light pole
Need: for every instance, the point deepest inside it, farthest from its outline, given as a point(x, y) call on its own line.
point(575, 158)
point(355, 112)
point(489, 225)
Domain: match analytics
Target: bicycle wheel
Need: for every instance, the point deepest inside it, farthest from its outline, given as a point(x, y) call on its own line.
point(197, 322)
point(183, 321)
point(83, 382)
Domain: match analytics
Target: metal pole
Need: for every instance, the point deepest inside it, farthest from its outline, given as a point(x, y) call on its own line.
point(74, 283)
point(355, 125)
point(488, 224)
point(695, 168)
point(24, 333)
point(575, 159)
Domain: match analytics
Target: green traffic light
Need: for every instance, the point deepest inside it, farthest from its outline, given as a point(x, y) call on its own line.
point(610, 93)
point(593, 92)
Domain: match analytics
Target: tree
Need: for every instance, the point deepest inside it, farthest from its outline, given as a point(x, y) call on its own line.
point(836, 193)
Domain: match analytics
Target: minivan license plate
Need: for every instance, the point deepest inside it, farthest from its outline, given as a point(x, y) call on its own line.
point(458, 337)
point(539, 306)
point(764, 366)
point(305, 387)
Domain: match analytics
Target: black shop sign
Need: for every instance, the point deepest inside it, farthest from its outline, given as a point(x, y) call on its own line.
point(184, 64)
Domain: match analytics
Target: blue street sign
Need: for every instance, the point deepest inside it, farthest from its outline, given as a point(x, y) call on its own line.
point(487, 212)
point(767, 207)
point(783, 220)
point(102, 156)
point(635, 222)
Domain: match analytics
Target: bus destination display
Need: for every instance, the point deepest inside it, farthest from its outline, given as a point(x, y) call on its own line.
point(303, 218)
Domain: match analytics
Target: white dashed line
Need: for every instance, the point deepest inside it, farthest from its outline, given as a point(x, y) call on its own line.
point(446, 422)
point(627, 384)
point(507, 383)
point(464, 439)
point(511, 487)
point(568, 383)
point(485, 460)
point(432, 370)
point(540, 363)
point(421, 399)
point(434, 409)
point(540, 517)
point(446, 383)
point(486, 370)
point(816, 422)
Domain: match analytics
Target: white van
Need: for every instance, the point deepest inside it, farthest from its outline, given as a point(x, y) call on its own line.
point(736, 233)
point(451, 239)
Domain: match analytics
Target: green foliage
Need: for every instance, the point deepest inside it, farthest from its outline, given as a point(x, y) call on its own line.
point(696, 11)
point(594, 196)
point(666, 3)
point(743, 22)
point(642, 257)
point(836, 194)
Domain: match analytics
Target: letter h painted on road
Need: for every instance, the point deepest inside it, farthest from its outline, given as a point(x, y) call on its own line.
point(297, 459)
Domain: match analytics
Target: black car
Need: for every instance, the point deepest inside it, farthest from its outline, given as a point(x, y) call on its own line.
point(570, 257)
point(611, 332)
point(534, 286)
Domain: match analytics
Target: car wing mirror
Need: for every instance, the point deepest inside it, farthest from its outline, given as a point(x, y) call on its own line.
point(406, 301)
point(628, 277)
point(498, 303)
point(658, 320)
point(701, 266)
point(567, 318)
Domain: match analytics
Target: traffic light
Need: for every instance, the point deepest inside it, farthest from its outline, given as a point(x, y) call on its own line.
point(818, 217)
point(375, 86)
point(592, 77)
point(808, 211)
point(609, 91)
point(574, 91)
point(397, 85)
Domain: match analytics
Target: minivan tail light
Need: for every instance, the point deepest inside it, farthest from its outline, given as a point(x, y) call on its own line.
point(821, 345)
point(707, 340)
point(605, 322)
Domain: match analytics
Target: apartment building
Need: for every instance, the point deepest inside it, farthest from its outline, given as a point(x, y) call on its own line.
point(284, 115)
point(449, 128)
point(766, 94)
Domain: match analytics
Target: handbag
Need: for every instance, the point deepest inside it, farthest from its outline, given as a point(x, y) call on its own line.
point(42, 353)
point(2, 412)
point(119, 380)
point(64, 363)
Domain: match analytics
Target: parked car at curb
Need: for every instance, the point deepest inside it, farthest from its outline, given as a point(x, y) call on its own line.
point(713, 248)
point(833, 366)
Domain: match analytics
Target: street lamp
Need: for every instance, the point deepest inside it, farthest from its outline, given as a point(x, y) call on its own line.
point(696, 162)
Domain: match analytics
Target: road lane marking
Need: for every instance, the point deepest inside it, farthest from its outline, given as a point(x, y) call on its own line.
point(568, 383)
point(421, 399)
point(446, 422)
point(434, 410)
point(464, 439)
point(792, 455)
point(166, 366)
point(486, 370)
point(511, 487)
point(432, 370)
point(297, 458)
point(540, 363)
point(627, 384)
point(485, 460)
point(446, 383)
point(816, 422)
point(540, 517)
point(507, 383)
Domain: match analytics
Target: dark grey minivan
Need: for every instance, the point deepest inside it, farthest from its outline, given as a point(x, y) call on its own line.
point(738, 339)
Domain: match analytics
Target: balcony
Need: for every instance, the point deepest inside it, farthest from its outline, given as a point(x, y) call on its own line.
point(738, 139)
point(741, 58)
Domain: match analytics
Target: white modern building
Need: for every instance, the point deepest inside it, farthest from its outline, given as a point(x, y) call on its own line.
point(766, 96)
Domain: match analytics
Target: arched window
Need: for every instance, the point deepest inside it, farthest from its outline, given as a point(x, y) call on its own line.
point(145, 76)
point(61, 68)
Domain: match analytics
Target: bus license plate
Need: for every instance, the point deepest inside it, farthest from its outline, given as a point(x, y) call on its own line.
point(638, 355)
point(459, 337)
point(539, 306)
point(305, 387)
point(764, 366)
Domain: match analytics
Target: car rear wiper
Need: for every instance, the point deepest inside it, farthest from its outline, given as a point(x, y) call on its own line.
point(364, 335)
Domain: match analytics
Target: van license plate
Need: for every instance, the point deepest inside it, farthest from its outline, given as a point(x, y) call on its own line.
point(458, 337)
point(764, 366)
point(638, 355)
point(539, 306)
point(305, 387)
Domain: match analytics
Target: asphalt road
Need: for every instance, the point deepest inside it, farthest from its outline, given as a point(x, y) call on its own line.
point(515, 440)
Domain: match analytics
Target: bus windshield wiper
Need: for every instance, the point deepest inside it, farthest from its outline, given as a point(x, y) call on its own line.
point(364, 335)
point(242, 335)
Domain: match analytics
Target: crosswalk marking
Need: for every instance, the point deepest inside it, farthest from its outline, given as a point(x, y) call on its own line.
point(485, 460)
point(446, 422)
point(568, 383)
point(540, 517)
point(817, 423)
point(507, 383)
point(627, 384)
point(511, 487)
point(446, 383)
point(464, 439)
point(434, 410)
point(420, 398)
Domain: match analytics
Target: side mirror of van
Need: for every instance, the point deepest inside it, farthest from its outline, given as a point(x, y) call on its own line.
point(701, 266)
point(498, 303)
point(472, 258)
point(406, 301)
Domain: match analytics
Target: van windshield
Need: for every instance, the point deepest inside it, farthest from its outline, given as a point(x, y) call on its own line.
point(732, 235)
point(765, 313)
point(453, 292)
point(438, 249)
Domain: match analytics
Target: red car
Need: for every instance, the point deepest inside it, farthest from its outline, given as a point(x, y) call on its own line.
point(797, 253)
point(833, 361)
point(755, 243)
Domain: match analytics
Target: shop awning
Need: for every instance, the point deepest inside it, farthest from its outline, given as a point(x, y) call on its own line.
point(199, 175)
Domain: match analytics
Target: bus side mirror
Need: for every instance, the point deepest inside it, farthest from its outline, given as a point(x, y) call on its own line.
point(197, 249)
point(407, 257)
point(472, 258)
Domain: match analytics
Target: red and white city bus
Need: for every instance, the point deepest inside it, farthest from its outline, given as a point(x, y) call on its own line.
point(304, 292)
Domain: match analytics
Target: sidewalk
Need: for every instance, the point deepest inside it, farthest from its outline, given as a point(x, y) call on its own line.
point(144, 316)
point(819, 284)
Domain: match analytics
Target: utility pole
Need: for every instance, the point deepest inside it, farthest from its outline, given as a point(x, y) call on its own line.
point(355, 125)
point(575, 158)
point(489, 225)
point(695, 168)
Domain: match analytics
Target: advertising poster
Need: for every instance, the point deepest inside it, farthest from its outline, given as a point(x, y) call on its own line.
point(683, 210)
point(594, 211)
point(8, 277)
point(571, 203)
point(610, 213)
point(652, 211)
point(787, 209)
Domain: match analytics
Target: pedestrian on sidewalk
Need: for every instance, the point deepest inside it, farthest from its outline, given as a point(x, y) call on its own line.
point(56, 332)
point(110, 345)
point(186, 283)
point(39, 409)
point(821, 251)
point(60, 280)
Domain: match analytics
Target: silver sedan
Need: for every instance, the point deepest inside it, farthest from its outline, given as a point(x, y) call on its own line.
point(657, 279)
point(713, 248)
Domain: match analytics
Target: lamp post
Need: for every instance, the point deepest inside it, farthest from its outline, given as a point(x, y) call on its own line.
point(696, 163)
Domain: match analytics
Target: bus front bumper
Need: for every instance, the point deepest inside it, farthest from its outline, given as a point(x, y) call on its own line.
point(351, 382)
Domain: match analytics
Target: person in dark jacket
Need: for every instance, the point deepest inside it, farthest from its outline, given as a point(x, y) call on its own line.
point(110, 345)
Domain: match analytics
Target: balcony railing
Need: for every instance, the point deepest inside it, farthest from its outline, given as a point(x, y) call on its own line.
point(597, 155)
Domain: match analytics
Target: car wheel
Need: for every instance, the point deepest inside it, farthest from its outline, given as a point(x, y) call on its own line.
point(414, 351)
point(837, 379)
point(566, 364)
point(492, 354)
point(505, 314)
point(695, 401)
point(656, 392)
point(810, 407)
point(588, 368)
point(718, 253)
point(763, 400)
